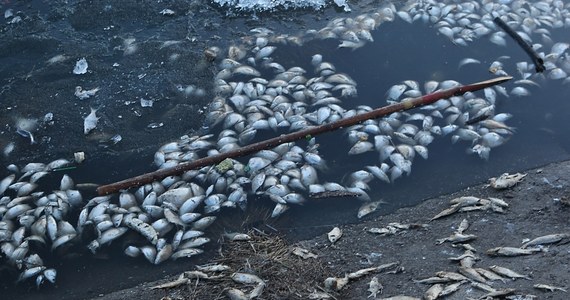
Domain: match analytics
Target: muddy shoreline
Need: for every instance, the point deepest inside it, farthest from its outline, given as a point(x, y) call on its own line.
point(537, 206)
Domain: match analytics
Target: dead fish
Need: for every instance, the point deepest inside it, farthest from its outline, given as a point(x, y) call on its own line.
point(335, 283)
point(316, 295)
point(467, 61)
point(498, 202)
point(361, 147)
point(265, 52)
point(246, 278)
point(303, 253)
point(235, 294)
point(472, 274)
point(188, 252)
point(457, 238)
point(511, 251)
point(451, 288)
point(498, 294)
point(462, 226)
point(90, 122)
point(236, 236)
point(366, 271)
point(467, 253)
point(172, 284)
point(432, 280)
point(400, 297)
point(6, 182)
point(369, 208)
point(520, 91)
point(213, 268)
point(466, 201)
point(483, 287)
point(451, 276)
point(446, 212)
point(433, 292)
point(246, 70)
point(549, 288)
point(334, 234)
point(143, 228)
point(546, 239)
point(507, 272)
point(489, 274)
point(374, 287)
point(506, 180)
point(396, 91)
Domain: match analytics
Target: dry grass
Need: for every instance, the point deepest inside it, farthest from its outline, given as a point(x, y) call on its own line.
point(269, 257)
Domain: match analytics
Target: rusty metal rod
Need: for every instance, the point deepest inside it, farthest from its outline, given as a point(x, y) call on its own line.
point(312, 131)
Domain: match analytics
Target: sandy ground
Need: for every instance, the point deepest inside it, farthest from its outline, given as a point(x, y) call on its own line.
point(538, 206)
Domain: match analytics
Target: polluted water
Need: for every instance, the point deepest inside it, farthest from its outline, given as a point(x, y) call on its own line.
point(276, 82)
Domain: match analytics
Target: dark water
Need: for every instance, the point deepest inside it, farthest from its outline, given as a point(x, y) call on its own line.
point(400, 52)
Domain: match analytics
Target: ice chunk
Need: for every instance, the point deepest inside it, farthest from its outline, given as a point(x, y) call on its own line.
point(272, 5)
point(80, 67)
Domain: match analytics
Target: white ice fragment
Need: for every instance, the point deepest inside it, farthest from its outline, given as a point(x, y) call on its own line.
point(146, 103)
point(270, 5)
point(85, 94)
point(343, 4)
point(80, 67)
point(48, 117)
point(167, 12)
point(155, 125)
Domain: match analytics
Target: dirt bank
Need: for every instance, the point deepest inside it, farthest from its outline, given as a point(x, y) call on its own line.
point(538, 206)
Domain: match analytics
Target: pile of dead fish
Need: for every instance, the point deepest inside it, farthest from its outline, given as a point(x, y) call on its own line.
point(161, 219)
point(217, 272)
point(445, 283)
point(33, 222)
point(257, 96)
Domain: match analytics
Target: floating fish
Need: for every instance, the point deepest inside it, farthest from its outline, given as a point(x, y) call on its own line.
point(90, 122)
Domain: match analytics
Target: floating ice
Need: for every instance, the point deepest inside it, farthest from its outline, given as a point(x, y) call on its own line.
point(270, 5)
point(80, 67)
point(146, 103)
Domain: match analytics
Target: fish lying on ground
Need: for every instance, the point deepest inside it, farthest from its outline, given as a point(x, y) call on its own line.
point(506, 180)
point(511, 251)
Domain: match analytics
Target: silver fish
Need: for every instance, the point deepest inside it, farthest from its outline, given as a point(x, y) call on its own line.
point(511, 251)
point(547, 239)
point(90, 122)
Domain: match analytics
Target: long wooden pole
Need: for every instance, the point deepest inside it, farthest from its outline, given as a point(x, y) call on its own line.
point(286, 138)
